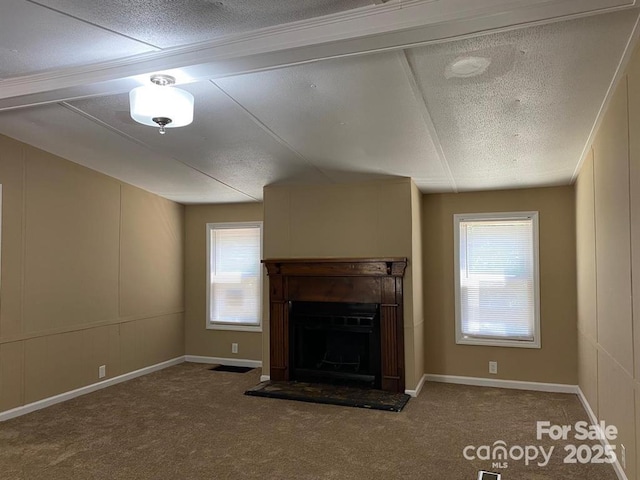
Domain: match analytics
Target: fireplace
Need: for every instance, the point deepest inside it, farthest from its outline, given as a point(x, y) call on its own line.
point(337, 320)
point(335, 343)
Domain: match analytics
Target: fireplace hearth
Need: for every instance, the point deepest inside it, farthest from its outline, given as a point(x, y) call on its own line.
point(337, 321)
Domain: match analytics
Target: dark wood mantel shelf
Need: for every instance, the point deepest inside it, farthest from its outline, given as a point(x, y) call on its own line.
point(359, 280)
point(346, 267)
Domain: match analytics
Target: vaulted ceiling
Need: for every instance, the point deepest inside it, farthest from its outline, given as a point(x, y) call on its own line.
point(316, 91)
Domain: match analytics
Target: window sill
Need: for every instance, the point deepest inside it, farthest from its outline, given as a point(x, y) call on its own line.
point(497, 343)
point(234, 327)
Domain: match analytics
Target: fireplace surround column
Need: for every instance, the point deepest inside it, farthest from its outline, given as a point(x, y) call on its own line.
point(354, 280)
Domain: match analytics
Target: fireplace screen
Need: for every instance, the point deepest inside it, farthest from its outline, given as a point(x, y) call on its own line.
point(335, 343)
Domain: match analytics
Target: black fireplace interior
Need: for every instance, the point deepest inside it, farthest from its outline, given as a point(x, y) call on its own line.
point(336, 343)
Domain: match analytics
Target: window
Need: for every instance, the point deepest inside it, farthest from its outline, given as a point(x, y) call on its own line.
point(496, 270)
point(234, 276)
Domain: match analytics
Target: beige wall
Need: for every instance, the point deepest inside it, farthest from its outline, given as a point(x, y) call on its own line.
point(555, 361)
point(91, 275)
point(355, 220)
point(199, 339)
point(608, 253)
point(417, 282)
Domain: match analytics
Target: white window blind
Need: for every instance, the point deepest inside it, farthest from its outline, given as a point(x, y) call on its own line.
point(496, 284)
point(234, 277)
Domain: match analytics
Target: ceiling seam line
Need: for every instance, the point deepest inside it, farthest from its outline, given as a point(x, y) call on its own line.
point(426, 116)
point(143, 144)
point(270, 132)
point(68, 15)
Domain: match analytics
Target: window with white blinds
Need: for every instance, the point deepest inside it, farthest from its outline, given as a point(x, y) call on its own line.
point(496, 269)
point(234, 275)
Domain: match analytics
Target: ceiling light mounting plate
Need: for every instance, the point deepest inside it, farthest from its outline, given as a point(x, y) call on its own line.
point(162, 80)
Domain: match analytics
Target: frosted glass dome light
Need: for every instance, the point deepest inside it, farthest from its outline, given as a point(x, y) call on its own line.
point(161, 104)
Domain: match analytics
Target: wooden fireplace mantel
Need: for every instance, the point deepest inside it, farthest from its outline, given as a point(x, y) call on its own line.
point(360, 280)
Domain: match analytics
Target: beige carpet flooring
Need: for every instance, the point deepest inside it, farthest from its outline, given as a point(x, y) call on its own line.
point(187, 422)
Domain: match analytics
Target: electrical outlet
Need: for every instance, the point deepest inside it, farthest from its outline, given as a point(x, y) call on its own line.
point(234, 348)
point(493, 368)
point(623, 456)
point(102, 371)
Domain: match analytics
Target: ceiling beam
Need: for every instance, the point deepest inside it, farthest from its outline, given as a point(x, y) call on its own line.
point(381, 27)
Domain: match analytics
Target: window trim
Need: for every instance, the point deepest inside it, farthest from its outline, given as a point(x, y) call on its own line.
point(211, 325)
point(461, 339)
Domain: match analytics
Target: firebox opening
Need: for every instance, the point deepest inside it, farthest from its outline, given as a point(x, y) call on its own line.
point(336, 343)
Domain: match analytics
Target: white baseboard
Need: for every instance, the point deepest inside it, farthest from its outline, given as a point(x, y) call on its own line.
point(585, 403)
point(513, 384)
point(234, 362)
point(416, 392)
point(594, 421)
point(47, 402)
point(265, 378)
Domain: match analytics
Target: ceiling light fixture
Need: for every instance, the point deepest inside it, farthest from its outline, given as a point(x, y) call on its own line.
point(160, 104)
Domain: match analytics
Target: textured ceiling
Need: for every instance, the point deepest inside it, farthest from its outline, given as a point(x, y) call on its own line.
point(523, 122)
point(169, 23)
point(526, 119)
point(349, 115)
point(33, 38)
